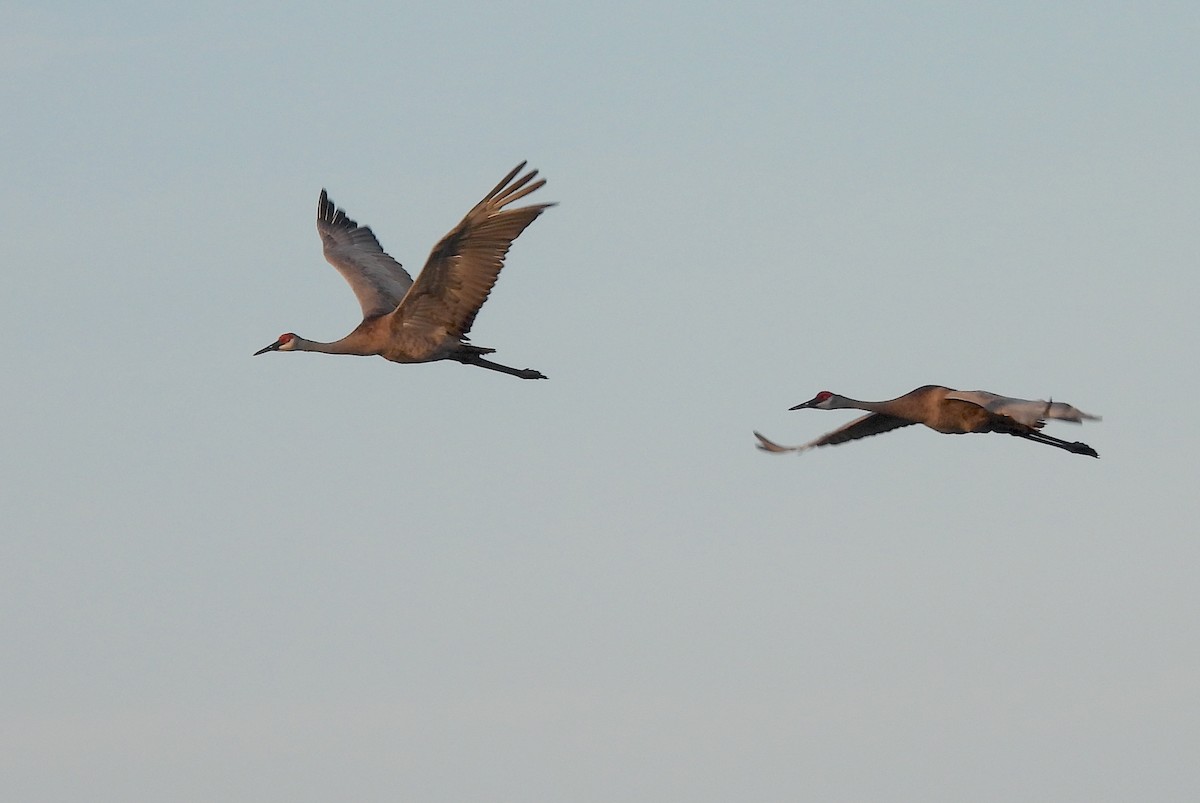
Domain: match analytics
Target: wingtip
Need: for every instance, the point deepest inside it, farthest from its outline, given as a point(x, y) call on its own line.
point(767, 445)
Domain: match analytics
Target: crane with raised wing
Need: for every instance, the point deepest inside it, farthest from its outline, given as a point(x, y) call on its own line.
point(426, 320)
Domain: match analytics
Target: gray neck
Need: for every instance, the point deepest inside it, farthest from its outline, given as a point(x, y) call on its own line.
point(336, 347)
point(837, 402)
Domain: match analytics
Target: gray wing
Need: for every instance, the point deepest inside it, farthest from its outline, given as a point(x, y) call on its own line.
point(377, 280)
point(1032, 413)
point(863, 427)
point(464, 265)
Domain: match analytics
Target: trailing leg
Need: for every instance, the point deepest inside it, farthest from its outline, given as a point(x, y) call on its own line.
point(1074, 447)
point(522, 373)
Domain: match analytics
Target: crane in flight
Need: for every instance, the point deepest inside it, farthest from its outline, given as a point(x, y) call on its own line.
point(945, 410)
point(426, 320)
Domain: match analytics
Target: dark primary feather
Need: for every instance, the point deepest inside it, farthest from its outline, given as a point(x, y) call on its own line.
point(867, 425)
point(862, 427)
point(463, 267)
point(378, 281)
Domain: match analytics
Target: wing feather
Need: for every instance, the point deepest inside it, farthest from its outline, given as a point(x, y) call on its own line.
point(463, 267)
point(862, 427)
point(1029, 412)
point(378, 281)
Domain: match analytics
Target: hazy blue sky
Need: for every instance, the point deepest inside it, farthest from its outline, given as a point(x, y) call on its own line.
point(312, 578)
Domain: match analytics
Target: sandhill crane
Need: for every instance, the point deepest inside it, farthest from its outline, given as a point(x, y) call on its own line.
point(946, 410)
point(426, 320)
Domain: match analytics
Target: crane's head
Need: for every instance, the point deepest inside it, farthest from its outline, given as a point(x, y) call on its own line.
point(822, 401)
point(286, 342)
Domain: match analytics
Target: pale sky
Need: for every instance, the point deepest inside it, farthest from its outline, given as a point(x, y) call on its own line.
point(305, 578)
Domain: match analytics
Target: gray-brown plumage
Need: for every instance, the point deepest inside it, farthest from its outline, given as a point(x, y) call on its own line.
point(945, 410)
point(429, 319)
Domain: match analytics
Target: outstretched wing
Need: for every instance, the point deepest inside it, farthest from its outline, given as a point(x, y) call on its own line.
point(1031, 413)
point(463, 266)
point(378, 280)
point(863, 427)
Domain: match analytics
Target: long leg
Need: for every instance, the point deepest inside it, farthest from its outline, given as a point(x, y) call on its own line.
point(1040, 437)
point(523, 373)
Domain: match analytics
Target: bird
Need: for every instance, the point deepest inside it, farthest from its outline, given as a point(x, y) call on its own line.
point(946, 410)
point(429, 319)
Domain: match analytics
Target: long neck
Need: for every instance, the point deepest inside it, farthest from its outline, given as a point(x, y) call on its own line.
point(843, 403)
point(347, 345)
point(923, 404)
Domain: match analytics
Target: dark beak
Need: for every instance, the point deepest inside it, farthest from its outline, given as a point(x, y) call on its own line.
point(273, 347)
point(808, 403)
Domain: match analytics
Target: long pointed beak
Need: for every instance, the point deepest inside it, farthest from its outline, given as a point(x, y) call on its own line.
point(809, 403)
point(273, 347)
